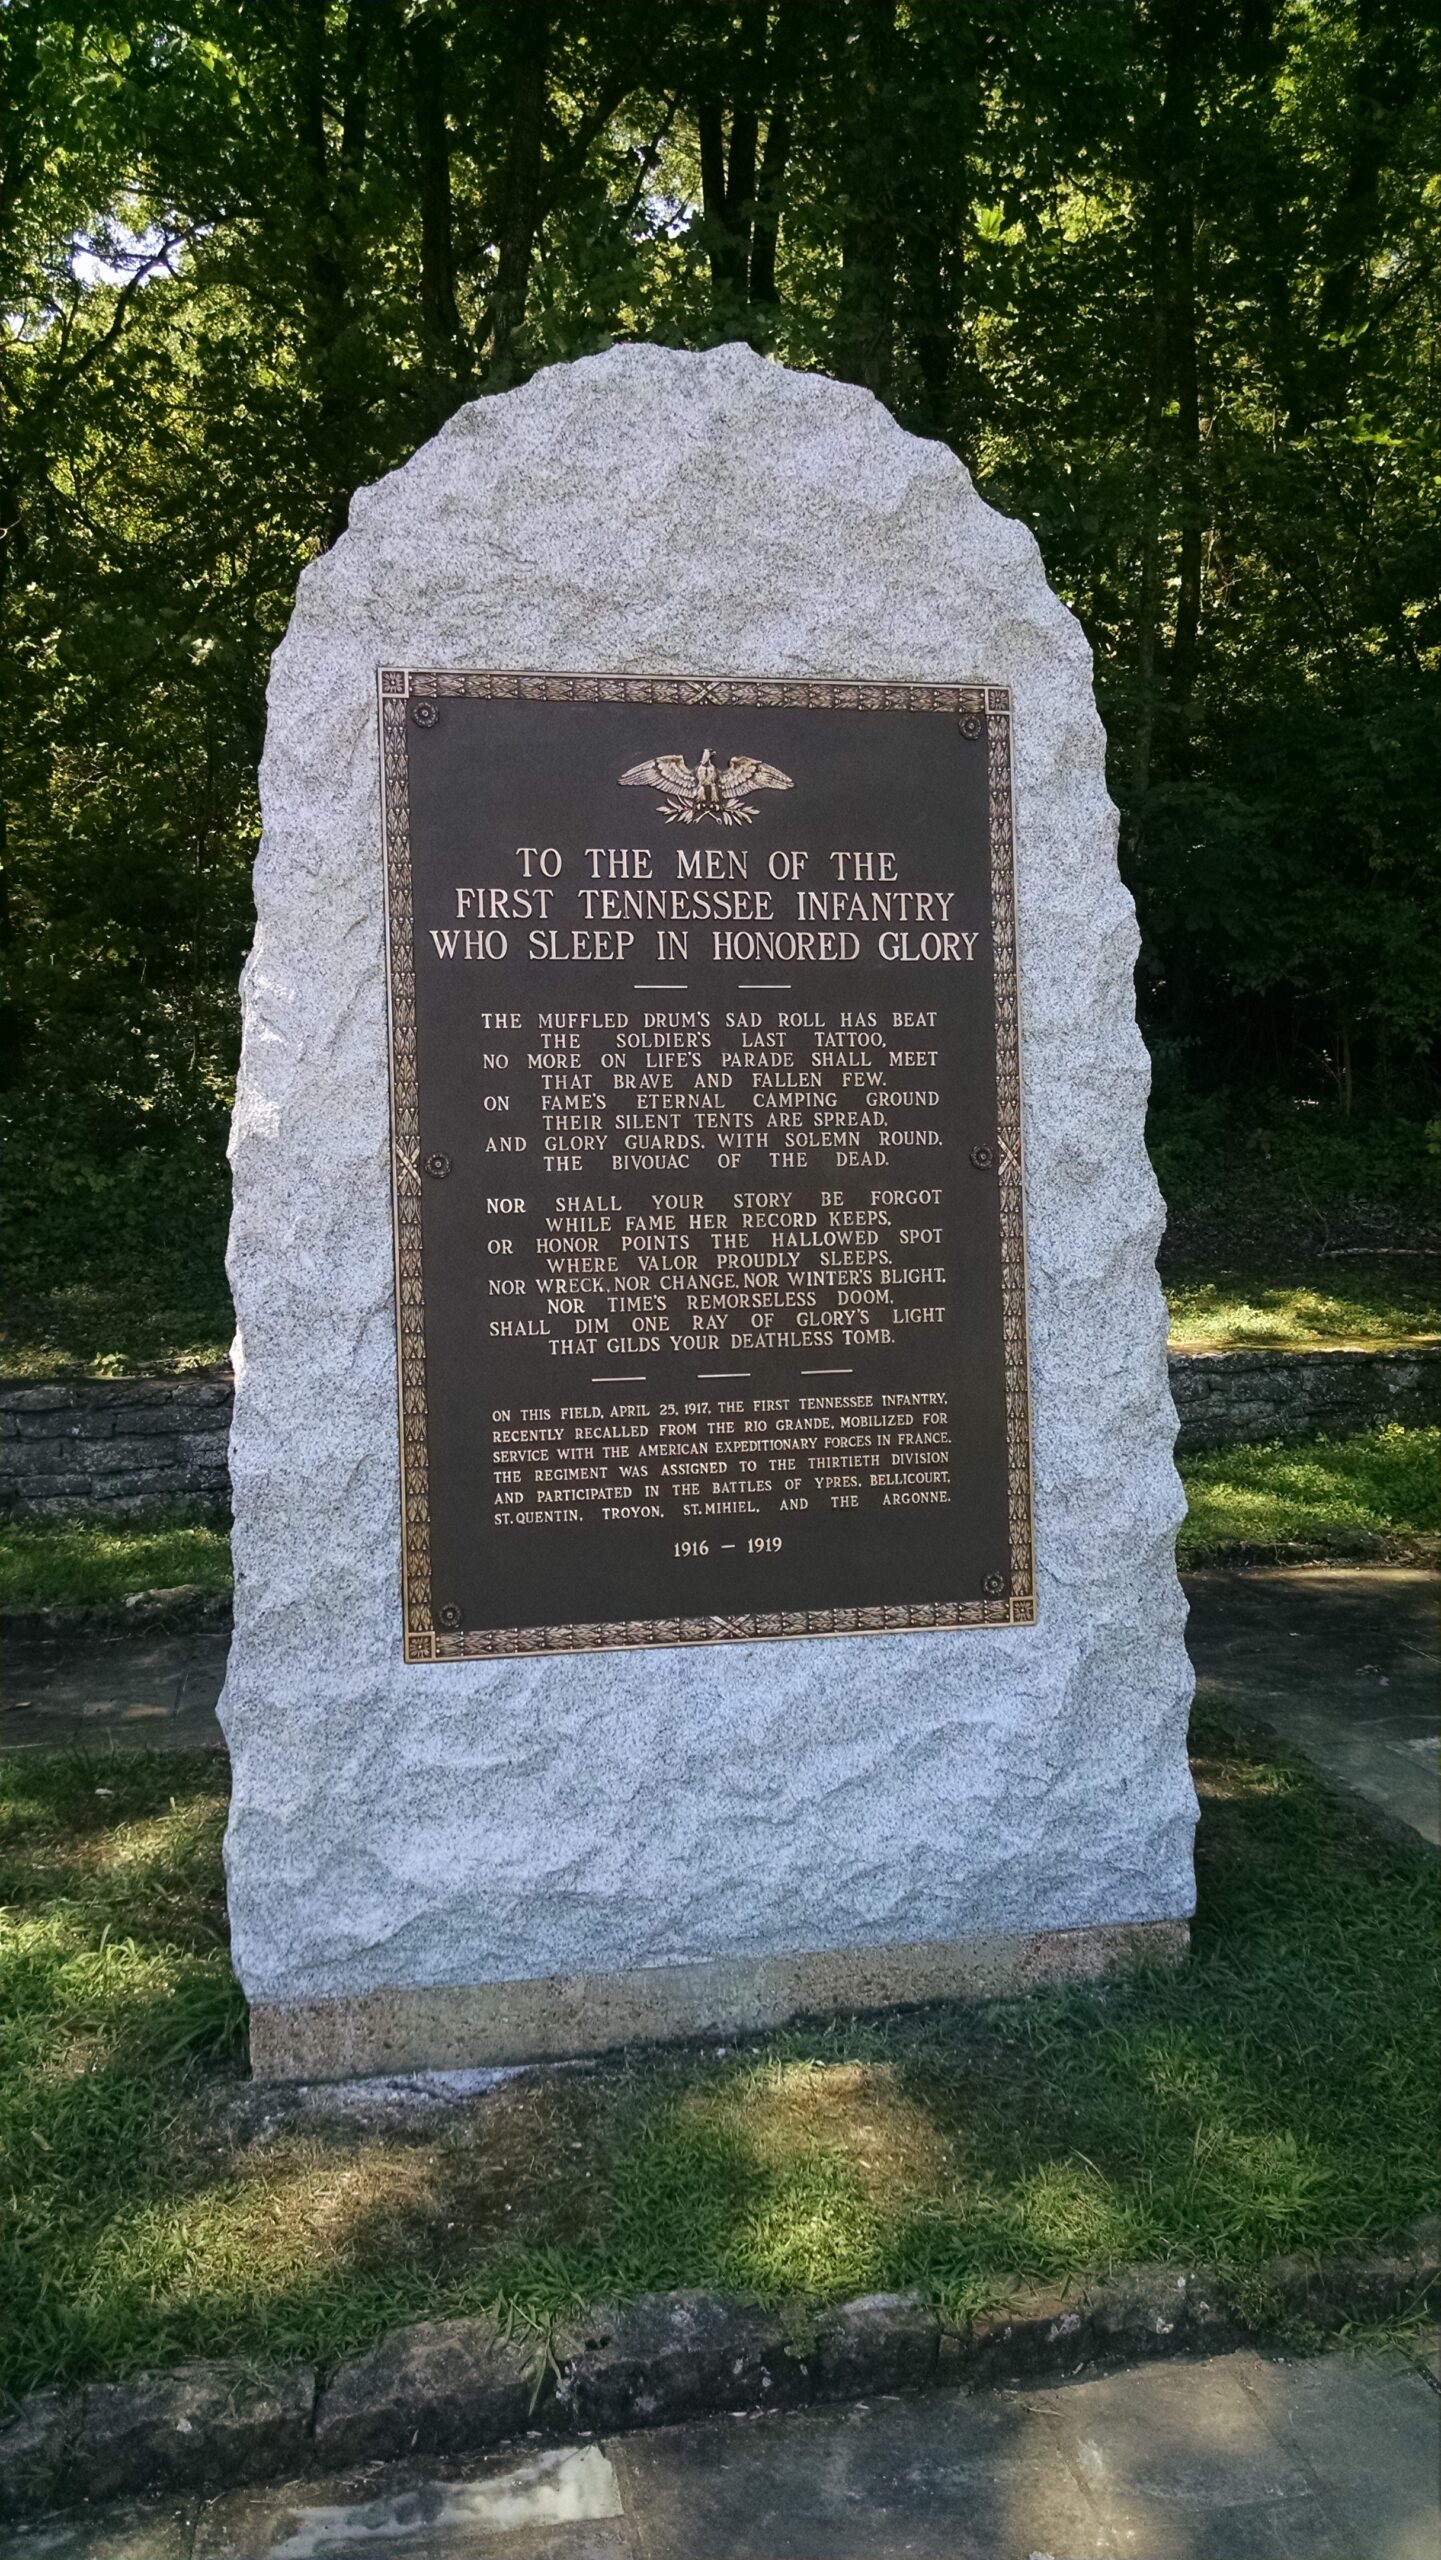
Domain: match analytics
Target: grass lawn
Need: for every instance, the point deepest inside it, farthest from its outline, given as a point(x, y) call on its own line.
point(1276, 2094)
point(1377, 1494)
point(45, 1564)
point(149, 1324)
point(1365, 1302)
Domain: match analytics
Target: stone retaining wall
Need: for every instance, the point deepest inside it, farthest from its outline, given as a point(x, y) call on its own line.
point(1226, 1397)
point(113, 1446)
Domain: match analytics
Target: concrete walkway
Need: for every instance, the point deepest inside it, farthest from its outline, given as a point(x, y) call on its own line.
point(104, 1693)
point(1342, 1662)
point(1239, 2457)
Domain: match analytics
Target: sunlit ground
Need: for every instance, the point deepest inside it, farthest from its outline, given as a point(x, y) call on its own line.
point(179, 1322)
point(1275, 2094)
point(136, 1329)
point(1363, 1303)
point(87, 1563)
point(1375, 1494)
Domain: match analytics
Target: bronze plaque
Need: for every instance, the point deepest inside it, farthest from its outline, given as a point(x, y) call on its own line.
point(710, 1270)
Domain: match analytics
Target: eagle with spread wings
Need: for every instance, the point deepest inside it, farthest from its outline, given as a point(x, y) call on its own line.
point(707, 792)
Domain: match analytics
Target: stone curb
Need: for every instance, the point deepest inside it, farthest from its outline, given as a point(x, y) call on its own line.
point(1416, 1548)
point(1237, 1398)
point(450, 2387)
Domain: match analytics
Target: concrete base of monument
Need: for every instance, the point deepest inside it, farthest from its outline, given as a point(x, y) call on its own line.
point(557, 2017)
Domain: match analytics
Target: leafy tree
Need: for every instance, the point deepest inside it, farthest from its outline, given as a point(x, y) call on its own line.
point(1163, 273)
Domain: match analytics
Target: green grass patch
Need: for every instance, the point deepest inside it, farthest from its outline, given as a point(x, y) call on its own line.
point(116, 1268)
point(93, 1564)
point(1363, 1303)
point(1275, 2094)
point(94, 1329)
point(1375, 1493)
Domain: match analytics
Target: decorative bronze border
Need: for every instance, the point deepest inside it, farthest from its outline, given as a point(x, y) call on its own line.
point(971, 704)
point(405, 1162)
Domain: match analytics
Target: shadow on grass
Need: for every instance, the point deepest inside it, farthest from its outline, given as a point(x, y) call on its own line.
point(96, 1564)
point(1272, 2095)
point(1372, 1493)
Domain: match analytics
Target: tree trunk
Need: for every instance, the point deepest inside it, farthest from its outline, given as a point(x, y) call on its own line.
point(942, 87)
point(1181, 334)
point(862, 347)
point(1168, 183)
point(931, 296)
point(441, 329)
point(22, 136)
point(1271, 209)
point(743, 182)
point(727, 206)
point(323, 290)
point(360, 25)
point(789, 37)
point(520, 198)
point(324, 278)
point(1381, 81)
point(766, 227)
point(1148, 606)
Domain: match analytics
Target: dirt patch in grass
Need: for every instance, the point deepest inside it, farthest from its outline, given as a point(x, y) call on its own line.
point(1274, 2094)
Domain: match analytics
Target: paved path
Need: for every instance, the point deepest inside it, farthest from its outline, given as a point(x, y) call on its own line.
point(102, 1693)
point(1239, 2457)
point(1342, 1662)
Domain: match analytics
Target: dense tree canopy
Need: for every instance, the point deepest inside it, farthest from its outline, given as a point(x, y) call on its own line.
point(1163, 273)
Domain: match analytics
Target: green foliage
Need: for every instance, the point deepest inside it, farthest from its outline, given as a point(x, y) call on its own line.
point(1278, 1177)
point(1377, 1493)
point(1163, 274)
point(1273, 2094)
point(94, 1563)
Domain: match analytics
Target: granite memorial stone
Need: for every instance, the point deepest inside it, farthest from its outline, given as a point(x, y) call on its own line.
point(704, 1508)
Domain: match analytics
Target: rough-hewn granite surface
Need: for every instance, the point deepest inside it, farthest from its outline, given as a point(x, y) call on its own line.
point(648, 510)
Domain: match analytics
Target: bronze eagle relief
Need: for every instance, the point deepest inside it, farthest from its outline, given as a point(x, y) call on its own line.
point(707, 791)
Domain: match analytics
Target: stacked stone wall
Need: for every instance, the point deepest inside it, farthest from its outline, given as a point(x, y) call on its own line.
point(113, 1447)
point(1225, 1399)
